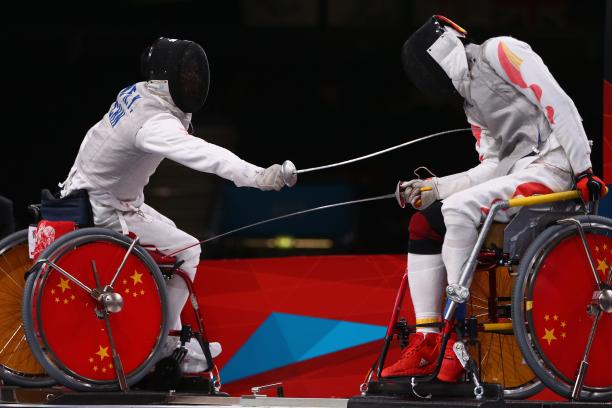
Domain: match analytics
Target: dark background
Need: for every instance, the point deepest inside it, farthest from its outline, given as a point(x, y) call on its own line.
point(314, 81)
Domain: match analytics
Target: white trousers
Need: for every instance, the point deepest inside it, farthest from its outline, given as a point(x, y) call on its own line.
point(464, 211)
point(157, 230)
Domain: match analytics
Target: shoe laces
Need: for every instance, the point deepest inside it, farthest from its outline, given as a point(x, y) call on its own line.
point(414, 345)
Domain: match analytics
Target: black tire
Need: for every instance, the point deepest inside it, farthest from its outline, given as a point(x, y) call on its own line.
point(527, 275)
point(19, 366)
point(45, 354)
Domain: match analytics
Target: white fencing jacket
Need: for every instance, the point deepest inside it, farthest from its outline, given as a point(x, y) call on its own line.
point(518, 112)
point(141, 128)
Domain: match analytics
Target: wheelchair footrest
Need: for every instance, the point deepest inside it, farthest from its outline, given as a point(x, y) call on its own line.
point(403, 389)
point(195, 385)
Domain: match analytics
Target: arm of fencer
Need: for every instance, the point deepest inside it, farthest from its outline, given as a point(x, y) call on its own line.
point(487, 155)
point(520, 66)
point(454, 183)
point(166, 136)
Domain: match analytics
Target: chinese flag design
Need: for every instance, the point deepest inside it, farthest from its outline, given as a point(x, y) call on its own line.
point(562, 290)
point(132, 286)
point(101, 361)
point(511, 64)
point(556, 324)
point(73, 331)
point(62, 292)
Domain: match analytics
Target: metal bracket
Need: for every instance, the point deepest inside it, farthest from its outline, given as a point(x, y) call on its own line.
point(256, 390)
point(413, 384)
point(458, 293)
point(461, 353)
point(466, 361)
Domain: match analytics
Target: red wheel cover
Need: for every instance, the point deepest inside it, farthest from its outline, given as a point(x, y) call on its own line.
point(561, 293)
point(74, 333)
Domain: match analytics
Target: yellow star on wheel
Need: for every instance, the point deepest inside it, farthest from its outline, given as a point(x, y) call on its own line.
point(563, 335)
point(555, 317)
point(91, 359)
point(563, 324)
point(136, 277)
point(95, 368)
point(602, 265)
point(103, 352)
point(142, 292)
point(63, 284)
point(549, 336)
point(53, 291)
point(547, 317)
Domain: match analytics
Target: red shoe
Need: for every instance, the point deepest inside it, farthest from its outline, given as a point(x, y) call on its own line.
point(451, 369)
point(419, 358)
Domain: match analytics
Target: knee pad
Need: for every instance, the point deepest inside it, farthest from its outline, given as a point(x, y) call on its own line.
point(427, 231)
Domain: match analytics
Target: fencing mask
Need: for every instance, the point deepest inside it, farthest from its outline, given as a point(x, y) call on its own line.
point(425, 56)
point(184, 65)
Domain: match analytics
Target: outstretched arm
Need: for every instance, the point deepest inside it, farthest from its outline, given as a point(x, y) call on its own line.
point(165, 135)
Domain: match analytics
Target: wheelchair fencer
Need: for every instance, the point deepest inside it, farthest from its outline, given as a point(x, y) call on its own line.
point(538, 311)
point(94, 312)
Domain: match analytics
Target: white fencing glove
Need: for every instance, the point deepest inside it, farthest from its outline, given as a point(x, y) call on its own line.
point(270, 178)
point(419, 193)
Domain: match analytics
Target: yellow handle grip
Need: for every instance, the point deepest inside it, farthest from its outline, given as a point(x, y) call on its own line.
point(543, 199)
point(425, 189)
point(497, 326)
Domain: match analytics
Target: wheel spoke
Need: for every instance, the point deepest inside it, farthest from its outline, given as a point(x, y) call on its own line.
point(116, 358)
point(8, 275)
point(585, 245)
point(69, 276)
point(584, 364)
point(127, 254)
point(10, 339)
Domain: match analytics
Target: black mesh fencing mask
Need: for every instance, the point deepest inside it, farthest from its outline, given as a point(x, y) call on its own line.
point(419, 65)
point(184, 65)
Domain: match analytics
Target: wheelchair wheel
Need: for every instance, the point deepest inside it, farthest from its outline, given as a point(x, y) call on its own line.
point(72, 331)
point(17, 363)
point(553, 312)
point(497, 353)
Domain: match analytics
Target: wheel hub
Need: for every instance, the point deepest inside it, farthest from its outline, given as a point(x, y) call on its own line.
point(604, 300)
point(112, 301)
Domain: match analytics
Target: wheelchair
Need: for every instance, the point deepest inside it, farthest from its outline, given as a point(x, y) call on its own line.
point(95, 313)
point(538, 308)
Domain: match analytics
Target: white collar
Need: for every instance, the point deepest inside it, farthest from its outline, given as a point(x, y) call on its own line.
point(161, 89)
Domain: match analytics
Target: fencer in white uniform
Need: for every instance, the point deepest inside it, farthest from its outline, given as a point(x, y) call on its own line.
point(529, 140)
point(148, 122)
